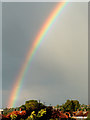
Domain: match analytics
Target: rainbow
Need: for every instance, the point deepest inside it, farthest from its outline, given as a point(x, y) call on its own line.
point(36, 44)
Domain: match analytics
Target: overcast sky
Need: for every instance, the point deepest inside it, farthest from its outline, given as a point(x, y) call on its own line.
point(59, 70)
point(0, 55)
point(44, 0)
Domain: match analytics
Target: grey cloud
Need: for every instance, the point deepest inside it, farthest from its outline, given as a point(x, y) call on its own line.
point(59, 68)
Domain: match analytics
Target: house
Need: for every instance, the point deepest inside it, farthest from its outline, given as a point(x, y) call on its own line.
point(80, 114)
point(63, 115)
point(1, 111)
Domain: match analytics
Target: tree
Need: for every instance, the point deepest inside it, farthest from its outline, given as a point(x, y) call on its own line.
point(31, 105)
point(77, 105)
point(70, 106)
point(34, 105)
point(23, 107)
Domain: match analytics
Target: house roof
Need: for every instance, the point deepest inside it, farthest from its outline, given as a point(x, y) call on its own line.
point(1, 109)
point(62, 115)
point(81, 113)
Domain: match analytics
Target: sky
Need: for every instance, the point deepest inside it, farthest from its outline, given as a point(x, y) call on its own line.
point(59, 70)
point(0, 55)
point(88, 53)
point(43, 0)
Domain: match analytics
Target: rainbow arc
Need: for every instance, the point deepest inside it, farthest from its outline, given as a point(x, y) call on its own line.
point(29, 57)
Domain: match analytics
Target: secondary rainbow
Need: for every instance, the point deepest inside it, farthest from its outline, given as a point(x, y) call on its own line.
point(37, 42)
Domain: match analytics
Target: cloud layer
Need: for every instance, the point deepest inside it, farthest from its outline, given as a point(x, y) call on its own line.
point(59, 70)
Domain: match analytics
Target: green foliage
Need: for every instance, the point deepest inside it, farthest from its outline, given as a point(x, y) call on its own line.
point(23, 107)
point(77, 105)
point(21, 119)
point(33, 105)
point(61, 107)
point(34, 116)
point(88, 113)
point(70, 106)
point(83, 107)
point(37, 111)
point(41, 113)
point(56, 119)
point(8, 110)
point(13, 116)
point(57, 106)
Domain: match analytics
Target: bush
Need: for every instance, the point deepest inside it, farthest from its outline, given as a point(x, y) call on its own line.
point(38, 116)
point(13, 116)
